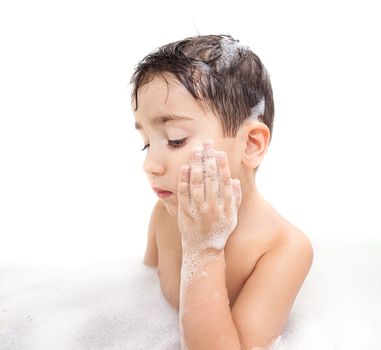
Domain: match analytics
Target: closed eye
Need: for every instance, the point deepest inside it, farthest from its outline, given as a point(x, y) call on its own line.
point(177, 143)
point(172, 143)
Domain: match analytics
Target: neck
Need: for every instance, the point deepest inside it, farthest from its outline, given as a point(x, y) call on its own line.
point(252, 200)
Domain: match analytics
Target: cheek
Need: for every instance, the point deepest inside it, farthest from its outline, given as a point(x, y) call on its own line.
point(176, 165)
point(182, 158)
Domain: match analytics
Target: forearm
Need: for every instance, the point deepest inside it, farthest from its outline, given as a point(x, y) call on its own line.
point(205, 318)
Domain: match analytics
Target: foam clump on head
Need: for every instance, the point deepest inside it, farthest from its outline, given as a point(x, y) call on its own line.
point(230, 48)
point(258, 110)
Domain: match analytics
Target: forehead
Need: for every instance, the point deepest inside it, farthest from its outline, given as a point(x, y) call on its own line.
point(165, 97)
point(163, 100)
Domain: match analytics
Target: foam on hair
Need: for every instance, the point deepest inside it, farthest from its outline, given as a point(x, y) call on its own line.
point(258, 109)
point(230, 49)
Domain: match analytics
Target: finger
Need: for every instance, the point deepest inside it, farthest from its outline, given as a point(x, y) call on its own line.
point(226, 185)
point(196, 185)
point(183, 188)
point(211, 182)
point(237, 191)
point(210, 174)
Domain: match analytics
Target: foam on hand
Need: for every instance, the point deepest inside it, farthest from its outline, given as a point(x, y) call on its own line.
point(192, 261)
point(220, 231)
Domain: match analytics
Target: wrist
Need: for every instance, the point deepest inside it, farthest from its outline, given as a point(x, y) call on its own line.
point(202, 251)
point(204, 246)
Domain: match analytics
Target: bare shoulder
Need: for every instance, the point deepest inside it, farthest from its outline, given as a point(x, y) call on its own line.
point(290, 241)
point(269, 234)
point(151, 254)
point(265, 301)
point(279, 242)
point(281, 236)
point(296, 242)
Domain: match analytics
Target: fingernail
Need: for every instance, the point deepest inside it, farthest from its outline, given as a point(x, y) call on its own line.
point(209, 143)
point(220, 155)
point(197, 153)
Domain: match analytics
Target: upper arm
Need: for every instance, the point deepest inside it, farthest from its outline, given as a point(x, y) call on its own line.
point(151, 255)
point(263, 305)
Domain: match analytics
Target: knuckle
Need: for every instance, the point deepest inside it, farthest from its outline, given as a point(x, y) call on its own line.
point(197, 182)
point(204, 208)
point(227, 181)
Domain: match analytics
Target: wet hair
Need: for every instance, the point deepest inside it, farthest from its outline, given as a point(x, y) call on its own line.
point(217, 70)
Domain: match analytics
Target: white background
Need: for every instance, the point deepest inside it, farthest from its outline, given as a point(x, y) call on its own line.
point(72, 188)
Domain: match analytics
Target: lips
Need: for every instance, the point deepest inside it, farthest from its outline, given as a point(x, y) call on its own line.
point(159, 190)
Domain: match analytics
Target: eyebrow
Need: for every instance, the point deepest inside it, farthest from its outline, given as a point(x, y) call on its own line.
point(163, 119)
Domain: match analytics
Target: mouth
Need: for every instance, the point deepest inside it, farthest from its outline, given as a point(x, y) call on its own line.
point(161, 193)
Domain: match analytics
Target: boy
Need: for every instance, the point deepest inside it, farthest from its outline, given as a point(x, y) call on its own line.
point(227, 261)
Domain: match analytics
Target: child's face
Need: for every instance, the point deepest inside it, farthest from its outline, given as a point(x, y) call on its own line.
point(164, 157)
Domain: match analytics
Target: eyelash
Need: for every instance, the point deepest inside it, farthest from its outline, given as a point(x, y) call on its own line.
point(172, 143)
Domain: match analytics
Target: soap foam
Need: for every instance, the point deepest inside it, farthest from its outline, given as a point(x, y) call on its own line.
point(230, 49)
point(220, 232)
point(121, 306)
point(258, 110)
point(192, 262)
point(113, 307)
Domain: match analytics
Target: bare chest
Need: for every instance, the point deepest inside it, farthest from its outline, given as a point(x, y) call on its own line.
point(241, 255)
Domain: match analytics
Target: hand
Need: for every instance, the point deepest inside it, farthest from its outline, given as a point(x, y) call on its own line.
point(208, 200)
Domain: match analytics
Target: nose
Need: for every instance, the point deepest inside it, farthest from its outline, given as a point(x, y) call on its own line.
point(153, 164)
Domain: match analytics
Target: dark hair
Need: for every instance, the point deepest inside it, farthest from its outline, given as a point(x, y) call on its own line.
point(216, 69)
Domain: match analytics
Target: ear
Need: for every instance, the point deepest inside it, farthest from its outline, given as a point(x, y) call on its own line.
point(256, 138)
